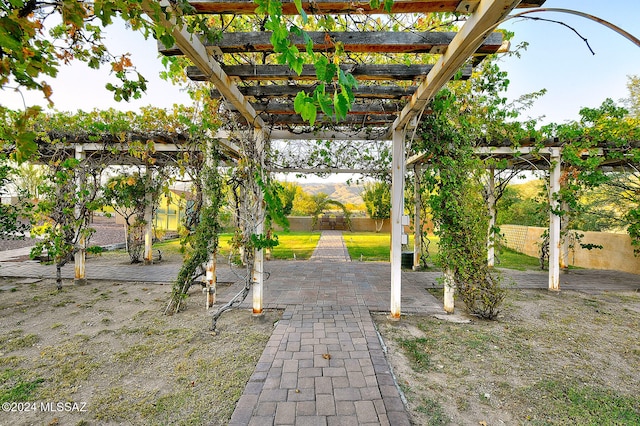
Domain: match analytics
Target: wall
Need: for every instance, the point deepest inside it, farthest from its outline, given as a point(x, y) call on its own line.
point(616, 254)
point(358, 224)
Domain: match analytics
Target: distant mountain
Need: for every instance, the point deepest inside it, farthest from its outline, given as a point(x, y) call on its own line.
point(346, 194)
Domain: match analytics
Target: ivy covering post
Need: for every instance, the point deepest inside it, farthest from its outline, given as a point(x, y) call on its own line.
point(491, 206)
point(459, 211)
point(258, 265)
point(80, 252)
point(554, 220)
point(148, 220)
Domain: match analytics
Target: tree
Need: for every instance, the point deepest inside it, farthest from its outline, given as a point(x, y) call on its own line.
point(377, 200)
point(633, 101)
point(70, 196)
point(287, 192)
point(11, 226)
point(516, 208)
point(37, 37)
point(128, 195)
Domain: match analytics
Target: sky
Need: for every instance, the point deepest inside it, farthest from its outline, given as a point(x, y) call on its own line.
point(559, 61)
point(556, 59)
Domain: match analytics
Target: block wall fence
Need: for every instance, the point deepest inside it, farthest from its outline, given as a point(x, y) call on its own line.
point(616, 253)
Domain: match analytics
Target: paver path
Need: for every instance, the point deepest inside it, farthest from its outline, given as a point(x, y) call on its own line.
point(331, 248)
point(323, 363)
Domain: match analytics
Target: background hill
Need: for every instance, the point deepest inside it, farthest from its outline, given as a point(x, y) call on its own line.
point(346, 194)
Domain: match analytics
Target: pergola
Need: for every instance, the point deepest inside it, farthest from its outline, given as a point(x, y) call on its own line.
point(390, 97)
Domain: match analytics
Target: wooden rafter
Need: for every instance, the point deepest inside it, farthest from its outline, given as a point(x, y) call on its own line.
point(319, 7)
point(360, 72)
point(209, 67)
point(286, 107)
point(465, 43)
point(291, 90)
point(359, 42)
point(351, 120)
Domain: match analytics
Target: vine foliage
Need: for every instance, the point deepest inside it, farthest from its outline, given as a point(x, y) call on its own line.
point(454, 193)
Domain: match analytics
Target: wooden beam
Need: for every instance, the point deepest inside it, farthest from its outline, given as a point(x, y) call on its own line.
point(368, 134)
point(286, 108)
point(465, 43)
point(360, 72)
point(209, 68)
point(354, 120)
point(359, 42)
point(304, 132)
point(291, 90)
point(248, 7)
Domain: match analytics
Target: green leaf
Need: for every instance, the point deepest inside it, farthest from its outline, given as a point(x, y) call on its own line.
point(323, 100)
point(298, 102)
point(340, 105)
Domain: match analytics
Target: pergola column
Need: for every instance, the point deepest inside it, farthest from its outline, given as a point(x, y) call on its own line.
point(148, 219)
point(397, 210)
point(554, 220)
point(491, 206)
point(417, 220)
point(258, 264)
point(80, 255)
point(564, 243)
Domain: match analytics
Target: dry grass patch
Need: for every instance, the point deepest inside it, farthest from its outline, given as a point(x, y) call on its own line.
point(567, 358)
point(109, 346)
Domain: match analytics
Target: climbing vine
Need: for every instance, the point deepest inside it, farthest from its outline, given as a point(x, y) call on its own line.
point(454, 193)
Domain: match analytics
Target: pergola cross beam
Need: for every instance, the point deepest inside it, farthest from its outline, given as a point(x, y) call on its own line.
point(472, 34)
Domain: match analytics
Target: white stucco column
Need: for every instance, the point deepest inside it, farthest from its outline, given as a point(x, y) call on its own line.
point(554, 220)
point(397, 210)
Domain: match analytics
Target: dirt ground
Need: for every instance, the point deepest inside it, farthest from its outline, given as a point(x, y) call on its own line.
point(551, 358)
point(103, 354)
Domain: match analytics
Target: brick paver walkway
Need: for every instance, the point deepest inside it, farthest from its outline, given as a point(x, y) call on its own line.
point(323, 363)
point(331, 248)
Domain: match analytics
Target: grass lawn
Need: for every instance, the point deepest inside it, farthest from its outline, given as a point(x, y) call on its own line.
point(300, 243)
point(368, 246)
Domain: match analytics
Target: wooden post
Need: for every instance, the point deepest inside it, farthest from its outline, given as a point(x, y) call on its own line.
point(258, 264)
point(554, 220)
point(449, 291)
point(417, 220)
point(148, 218)
point(80, 255)
point(491, 205)
point(564, 241)
point(210, 281)
point(397, 210)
